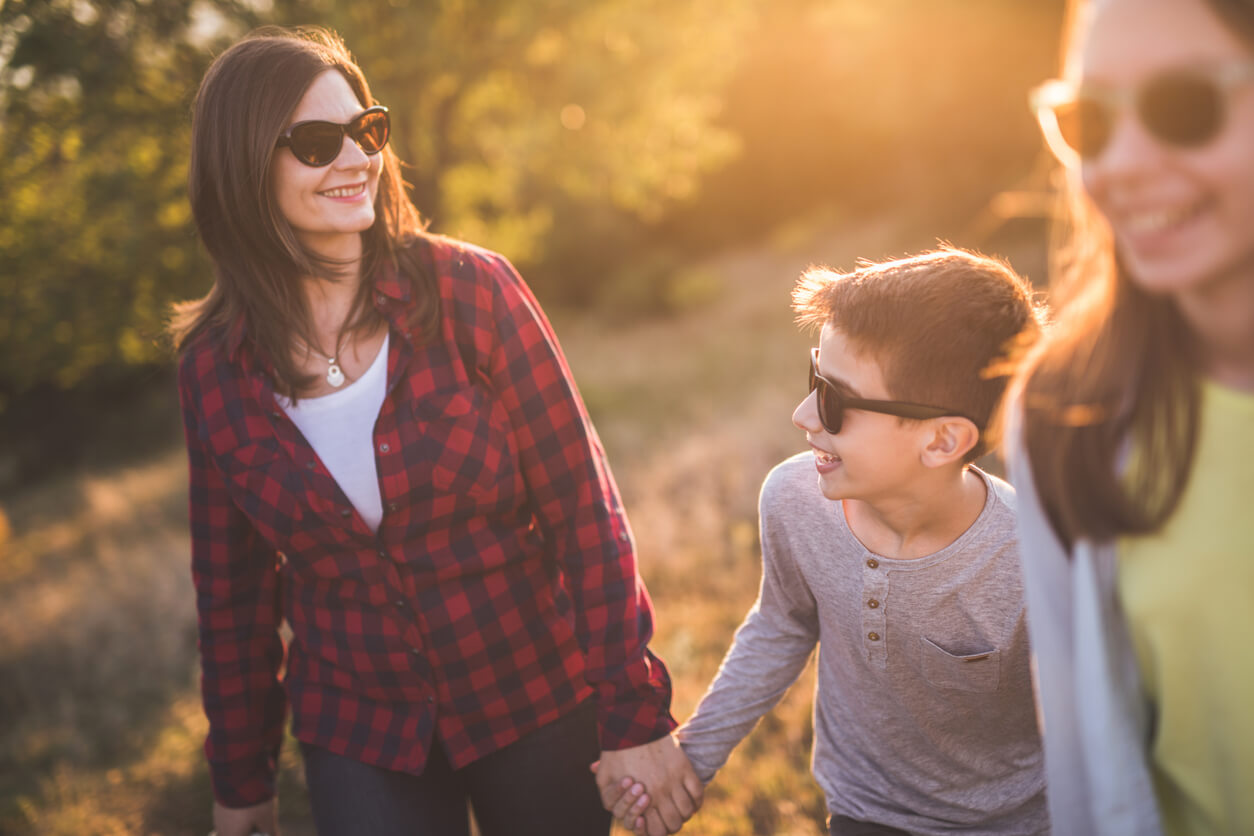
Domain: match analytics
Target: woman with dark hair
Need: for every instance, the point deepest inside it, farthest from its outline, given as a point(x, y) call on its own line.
point(389, 459)
point(1133, 427)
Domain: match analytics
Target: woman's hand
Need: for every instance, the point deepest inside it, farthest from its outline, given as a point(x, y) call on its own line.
point(244, 821)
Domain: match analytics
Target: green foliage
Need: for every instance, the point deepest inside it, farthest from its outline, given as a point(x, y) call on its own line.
point(95, 234)
point(523, 118)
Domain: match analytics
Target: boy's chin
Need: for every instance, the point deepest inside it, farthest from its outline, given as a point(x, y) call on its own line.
point(833, 490)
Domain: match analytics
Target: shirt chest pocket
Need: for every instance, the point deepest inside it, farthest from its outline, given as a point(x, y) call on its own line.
point(462, 447)
point(263, 485)
point(978, 672)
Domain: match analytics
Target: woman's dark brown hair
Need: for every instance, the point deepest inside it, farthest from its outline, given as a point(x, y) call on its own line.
point(245, 102)
point(1116, 372)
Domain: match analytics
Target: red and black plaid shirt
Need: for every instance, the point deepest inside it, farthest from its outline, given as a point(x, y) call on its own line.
point(500, 589)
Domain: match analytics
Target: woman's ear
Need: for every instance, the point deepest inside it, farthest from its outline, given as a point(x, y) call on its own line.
point(952, 437)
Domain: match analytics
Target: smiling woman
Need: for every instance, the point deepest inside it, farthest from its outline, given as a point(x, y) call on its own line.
point(388, 454)
point(1135, 427)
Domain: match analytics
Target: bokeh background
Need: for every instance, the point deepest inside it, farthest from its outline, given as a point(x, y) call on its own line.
point(660, 171)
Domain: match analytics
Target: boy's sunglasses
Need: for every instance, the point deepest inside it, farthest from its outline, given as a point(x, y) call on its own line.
point(1181, 108)
point(318, 143)
point(832, 404)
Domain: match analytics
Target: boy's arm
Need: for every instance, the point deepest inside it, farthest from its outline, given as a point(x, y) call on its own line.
point(770, 649)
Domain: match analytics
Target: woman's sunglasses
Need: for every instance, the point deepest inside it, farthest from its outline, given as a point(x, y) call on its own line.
point(318, 143)
point(1182, 108)
point(832, 404)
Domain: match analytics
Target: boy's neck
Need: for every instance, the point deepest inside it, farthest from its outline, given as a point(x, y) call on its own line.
point(921, 521)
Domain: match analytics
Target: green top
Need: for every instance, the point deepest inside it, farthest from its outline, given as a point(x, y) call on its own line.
point(1188, 594)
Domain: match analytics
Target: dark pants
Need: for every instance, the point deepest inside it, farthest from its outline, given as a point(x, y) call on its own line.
point(537, 785)
point(845, 826)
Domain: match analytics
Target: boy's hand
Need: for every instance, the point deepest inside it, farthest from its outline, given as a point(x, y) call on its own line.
point(627, 801)
point(662, 767)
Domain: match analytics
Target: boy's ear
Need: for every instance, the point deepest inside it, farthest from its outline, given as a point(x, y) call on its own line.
point(951, 439)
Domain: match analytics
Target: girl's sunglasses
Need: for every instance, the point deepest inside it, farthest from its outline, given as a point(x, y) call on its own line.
point(318, 143)
point(1182, 108)
point(832, 404)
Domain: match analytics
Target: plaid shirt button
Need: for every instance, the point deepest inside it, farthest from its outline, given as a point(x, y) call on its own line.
point(311, 464)
point(622, 535)
point(385, 447)
point(346, 512)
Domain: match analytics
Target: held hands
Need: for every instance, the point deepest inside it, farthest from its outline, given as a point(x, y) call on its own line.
point(245, 821)
point(661, 766)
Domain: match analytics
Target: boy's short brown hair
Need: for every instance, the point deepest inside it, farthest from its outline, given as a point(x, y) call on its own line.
point(945, 327)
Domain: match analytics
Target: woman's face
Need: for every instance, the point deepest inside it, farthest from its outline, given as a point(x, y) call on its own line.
point(329, 206)
point(1183, 218)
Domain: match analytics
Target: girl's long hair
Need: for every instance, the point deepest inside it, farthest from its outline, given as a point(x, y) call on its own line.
point(1116, 373)
point(245, 101)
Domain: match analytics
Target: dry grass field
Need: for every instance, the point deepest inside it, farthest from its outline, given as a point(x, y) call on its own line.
point(100, 723)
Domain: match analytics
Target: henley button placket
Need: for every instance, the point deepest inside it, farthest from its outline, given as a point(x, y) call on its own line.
point(874, 614)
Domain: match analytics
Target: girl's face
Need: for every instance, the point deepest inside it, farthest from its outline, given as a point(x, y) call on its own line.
point(328, 206)
point(1182, 218)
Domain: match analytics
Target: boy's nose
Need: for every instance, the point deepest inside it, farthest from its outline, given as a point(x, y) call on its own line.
point(806, 415)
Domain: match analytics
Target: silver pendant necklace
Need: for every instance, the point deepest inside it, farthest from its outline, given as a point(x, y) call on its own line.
point(335, 375)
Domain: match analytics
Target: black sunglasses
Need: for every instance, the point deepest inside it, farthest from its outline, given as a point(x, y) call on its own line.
point(1182, 108)
point(832, 404)
point(318, 143)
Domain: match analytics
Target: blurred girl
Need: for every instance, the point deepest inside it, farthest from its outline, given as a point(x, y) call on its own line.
point(1134, 420)
point(388, 456)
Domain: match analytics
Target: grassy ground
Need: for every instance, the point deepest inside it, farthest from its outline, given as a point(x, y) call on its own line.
point(100, 723)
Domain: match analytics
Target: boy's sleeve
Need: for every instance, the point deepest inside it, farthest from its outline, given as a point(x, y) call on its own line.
point(770, 649)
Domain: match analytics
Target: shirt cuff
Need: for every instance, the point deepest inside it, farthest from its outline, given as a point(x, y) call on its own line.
point(638, 711)
point(244, 782)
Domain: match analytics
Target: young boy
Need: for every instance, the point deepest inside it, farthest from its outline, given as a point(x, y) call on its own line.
point(899, 561)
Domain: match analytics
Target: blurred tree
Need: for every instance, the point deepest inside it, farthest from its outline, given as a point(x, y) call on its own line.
point(95, 235)
point(866, 105)
point(531, 124)
point(549, 129)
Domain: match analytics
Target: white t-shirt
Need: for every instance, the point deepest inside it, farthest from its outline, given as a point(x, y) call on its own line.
point(340, 428)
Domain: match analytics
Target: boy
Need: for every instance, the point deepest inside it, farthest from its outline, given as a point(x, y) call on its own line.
point(899, 561)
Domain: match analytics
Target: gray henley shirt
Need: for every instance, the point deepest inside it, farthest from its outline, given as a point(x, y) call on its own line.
point(923, 715)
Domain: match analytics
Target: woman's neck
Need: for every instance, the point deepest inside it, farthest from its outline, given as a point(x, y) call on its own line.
point(1221, 319)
